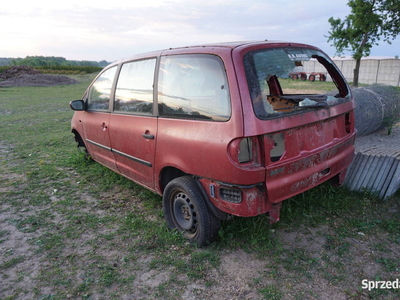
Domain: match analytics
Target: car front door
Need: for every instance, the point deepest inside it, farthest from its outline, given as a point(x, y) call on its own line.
point(133, 126)
point(97, 119)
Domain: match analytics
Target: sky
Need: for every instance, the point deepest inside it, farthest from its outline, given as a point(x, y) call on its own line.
point(114, 29)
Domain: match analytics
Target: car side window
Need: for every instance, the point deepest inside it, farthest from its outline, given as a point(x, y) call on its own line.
point(100, 91)
point(134, 92)
point(193, 86)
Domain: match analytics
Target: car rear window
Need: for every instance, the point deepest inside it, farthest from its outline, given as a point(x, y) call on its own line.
point(290, 80)
point(193, 86)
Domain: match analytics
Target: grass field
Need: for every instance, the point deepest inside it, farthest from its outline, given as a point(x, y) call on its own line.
point(72, 229)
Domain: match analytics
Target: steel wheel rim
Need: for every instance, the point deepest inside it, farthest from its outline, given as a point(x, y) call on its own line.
point(185, 212)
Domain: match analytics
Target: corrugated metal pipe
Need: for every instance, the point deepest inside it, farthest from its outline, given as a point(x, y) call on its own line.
point(376, 165)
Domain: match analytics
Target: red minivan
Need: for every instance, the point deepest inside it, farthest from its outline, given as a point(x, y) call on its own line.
point(219, 130)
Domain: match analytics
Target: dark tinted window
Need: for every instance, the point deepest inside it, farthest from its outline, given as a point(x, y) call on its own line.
point(100, 91)
point(134, 92)
point(193, 86)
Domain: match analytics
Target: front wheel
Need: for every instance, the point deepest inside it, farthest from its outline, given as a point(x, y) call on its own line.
point(185, 209)
point(80, 144)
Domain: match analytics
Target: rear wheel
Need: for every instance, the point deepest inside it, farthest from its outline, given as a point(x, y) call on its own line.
point(185, 210)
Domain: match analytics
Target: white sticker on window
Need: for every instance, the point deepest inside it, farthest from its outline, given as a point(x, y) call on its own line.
point(299, 56)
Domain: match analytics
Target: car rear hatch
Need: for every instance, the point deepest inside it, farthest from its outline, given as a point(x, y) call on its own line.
point(302, 107)
point(302, 157)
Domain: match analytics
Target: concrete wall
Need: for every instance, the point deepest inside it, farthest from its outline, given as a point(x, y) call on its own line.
point(383, 71)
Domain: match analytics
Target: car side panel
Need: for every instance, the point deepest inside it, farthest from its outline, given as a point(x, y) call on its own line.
point(133, 142)
point(97, 138)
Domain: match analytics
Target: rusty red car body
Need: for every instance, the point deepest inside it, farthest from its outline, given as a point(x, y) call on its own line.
point(253, 147)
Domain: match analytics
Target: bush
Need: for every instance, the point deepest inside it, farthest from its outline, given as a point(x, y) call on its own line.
point(69, 69)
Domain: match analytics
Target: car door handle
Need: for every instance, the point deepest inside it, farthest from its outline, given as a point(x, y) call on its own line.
point(148, 136)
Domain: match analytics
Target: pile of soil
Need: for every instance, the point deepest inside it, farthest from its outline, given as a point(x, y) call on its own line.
point(28, 76)
point(17, 71)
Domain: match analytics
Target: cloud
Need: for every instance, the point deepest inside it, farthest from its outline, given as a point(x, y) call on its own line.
point(96, 30)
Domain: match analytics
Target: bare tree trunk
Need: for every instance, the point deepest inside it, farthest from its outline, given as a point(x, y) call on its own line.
point(356, 71)
point(358, 56)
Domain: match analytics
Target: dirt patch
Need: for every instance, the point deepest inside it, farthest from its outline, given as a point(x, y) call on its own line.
point(27, 76)
point(17, 71)
point(38, 80)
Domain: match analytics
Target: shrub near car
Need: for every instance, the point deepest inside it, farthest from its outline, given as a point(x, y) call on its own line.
point(212, 129)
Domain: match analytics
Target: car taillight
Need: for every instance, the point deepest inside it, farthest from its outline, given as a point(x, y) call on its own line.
point(278, 146)
point(245, 151)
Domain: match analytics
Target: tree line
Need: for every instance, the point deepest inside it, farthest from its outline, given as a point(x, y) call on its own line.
point(50, 62)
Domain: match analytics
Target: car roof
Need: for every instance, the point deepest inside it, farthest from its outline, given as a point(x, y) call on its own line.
point(230, 45)
point(226, 44)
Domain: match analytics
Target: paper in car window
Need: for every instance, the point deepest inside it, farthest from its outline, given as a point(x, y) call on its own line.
point(299, 56)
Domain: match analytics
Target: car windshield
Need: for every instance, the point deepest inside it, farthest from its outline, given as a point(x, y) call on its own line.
point(290, 80)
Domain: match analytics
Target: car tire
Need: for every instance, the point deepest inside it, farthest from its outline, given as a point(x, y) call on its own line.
point(185, 210)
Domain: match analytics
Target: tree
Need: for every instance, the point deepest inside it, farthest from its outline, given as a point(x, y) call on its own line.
point(368, 23)
point(52, 61)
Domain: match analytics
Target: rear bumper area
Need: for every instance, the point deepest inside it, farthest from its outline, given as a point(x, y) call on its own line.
point(287, 179)
point(283, 180)
point(248, 201)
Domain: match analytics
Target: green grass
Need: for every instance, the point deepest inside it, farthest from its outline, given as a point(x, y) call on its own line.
point(12, 262)
point(321, 86)
point(271, 292)
point(91, 233)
